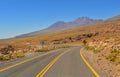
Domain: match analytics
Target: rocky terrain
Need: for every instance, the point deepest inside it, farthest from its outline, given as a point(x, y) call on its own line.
point(9, 52)
point(102, 41)
point(105, 55)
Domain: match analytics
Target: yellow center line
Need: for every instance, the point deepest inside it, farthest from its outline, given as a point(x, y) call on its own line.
point(42, 73)
point(9, 67)
point(90, 67)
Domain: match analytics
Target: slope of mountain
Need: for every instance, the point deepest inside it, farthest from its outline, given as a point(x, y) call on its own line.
point(61, 25)
point(113, 19)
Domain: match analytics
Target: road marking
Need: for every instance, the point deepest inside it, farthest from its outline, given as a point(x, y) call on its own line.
point(9, 67)
point(90, 67)
point(42, 73)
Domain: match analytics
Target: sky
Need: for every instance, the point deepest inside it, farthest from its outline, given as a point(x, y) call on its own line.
point(24, 16)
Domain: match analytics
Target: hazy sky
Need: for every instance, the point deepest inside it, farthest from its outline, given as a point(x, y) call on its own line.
point(23, 16)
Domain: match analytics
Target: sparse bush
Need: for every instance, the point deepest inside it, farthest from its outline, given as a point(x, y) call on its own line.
point(96, 50)
point(20, 54)
point(113, 56)
point(5, 57)
point(42, 50)
point(87, 47)
point(116, 51)
point(37, 51)
point(64, 46)
point(12, 56)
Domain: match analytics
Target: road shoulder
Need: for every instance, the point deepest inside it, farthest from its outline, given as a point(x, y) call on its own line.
point(91, 62)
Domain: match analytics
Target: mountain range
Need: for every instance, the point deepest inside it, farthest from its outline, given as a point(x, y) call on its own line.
point(61, 25)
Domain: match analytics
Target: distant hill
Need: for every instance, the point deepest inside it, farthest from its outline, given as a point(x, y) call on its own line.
point(116, 18)
point(61, 25)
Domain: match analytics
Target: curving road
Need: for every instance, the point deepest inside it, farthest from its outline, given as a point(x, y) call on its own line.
point(65, 62)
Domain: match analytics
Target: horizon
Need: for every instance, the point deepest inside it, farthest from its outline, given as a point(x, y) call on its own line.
point(48, 27)
point(24, 16)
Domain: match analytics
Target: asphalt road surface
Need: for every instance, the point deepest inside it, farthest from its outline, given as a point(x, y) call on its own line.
point(65, 62)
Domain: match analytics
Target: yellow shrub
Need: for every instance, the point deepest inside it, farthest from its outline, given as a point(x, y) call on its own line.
point(5, 57)
point(20, 54)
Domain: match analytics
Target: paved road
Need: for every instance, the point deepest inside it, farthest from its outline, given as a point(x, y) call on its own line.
point(70, 65)
point(66, 63)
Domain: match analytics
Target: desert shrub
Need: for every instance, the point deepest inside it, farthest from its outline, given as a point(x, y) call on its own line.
point(13, 56)
point(20, 54)
point(87, 47)
point(114, 50)
point(111, 57)
point(96, 50)
point(5, 57)
point(37, 51)
point(0, 57)
point(64, 46)
point(43, 50)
